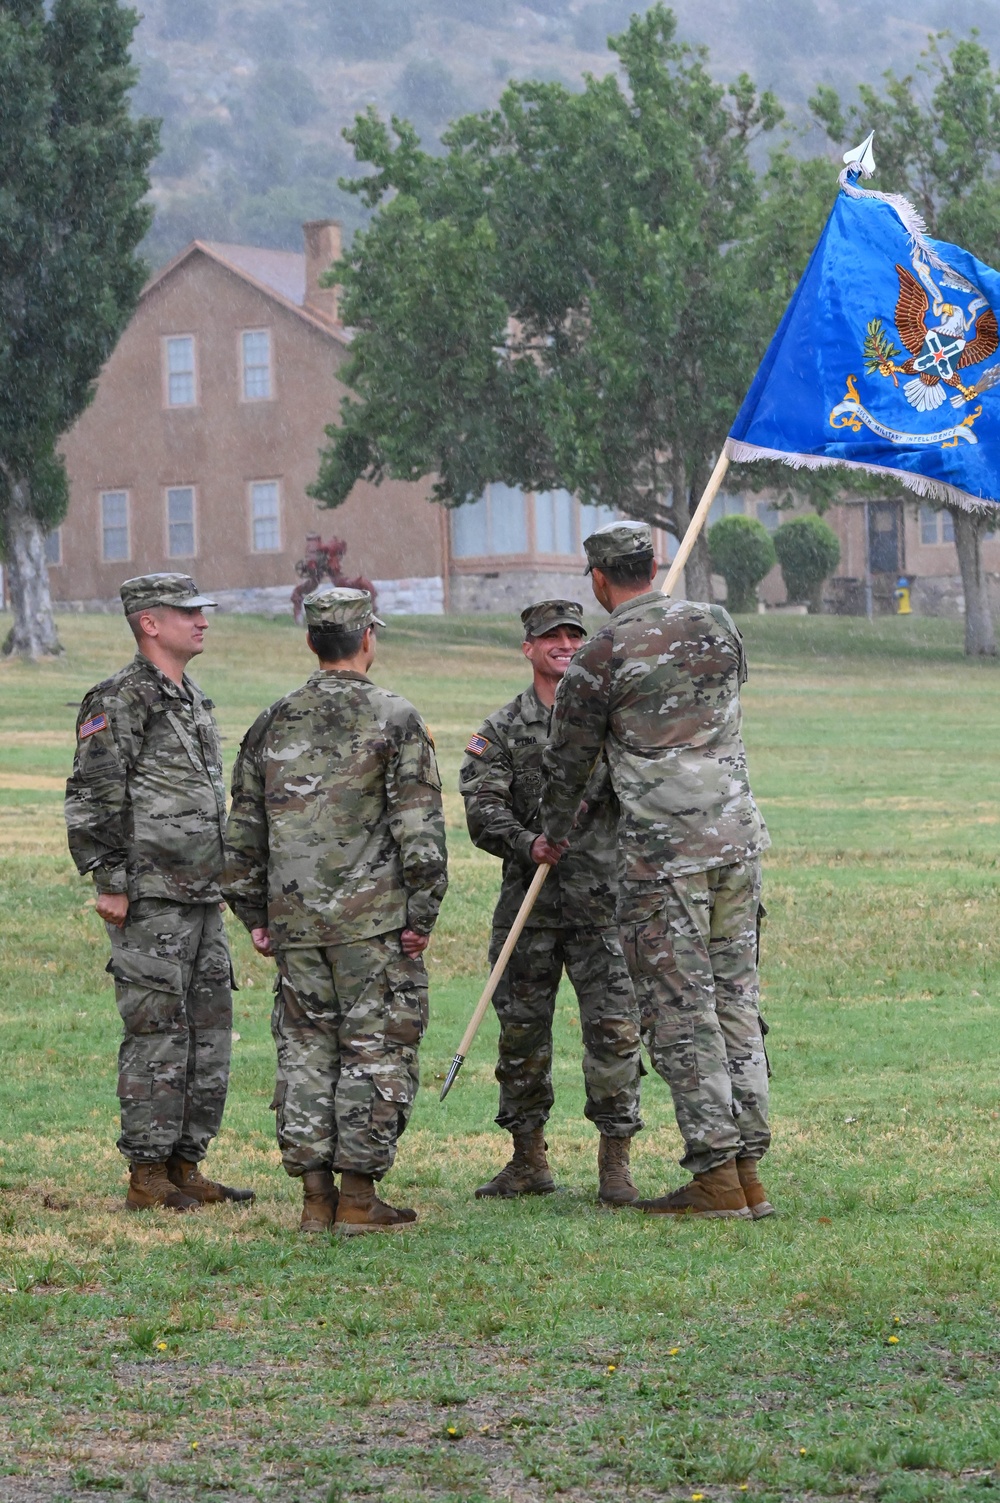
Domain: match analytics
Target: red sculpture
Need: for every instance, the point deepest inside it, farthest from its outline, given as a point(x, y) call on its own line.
point(323, 561)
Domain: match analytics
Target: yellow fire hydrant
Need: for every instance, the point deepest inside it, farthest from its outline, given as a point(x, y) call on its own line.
point(901, 595)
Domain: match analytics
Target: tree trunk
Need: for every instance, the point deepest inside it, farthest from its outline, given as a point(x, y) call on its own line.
point(980, 639)
point(698, 571)
point(33, 634)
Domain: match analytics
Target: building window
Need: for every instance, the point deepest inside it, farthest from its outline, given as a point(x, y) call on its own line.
point(555, 523)
point(265, 516)
point(768, 516)
point(496, 524)
point(180, 521)
point(256, 365)
point(114, 525)
point(936, 526)
point(180, 371)
point(725, 506)
point(53, 546)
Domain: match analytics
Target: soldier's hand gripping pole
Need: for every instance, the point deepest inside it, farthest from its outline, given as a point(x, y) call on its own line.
point(496, 976)
point(696, 523)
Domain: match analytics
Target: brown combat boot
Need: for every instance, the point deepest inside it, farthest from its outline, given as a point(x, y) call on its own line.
point(189, 1179)
point(527, 1173)
point(319, 1201)
point(717, 1194)
point(756, 1195)
point(360, 1210)
point(616, 1187)
point(150, 1185)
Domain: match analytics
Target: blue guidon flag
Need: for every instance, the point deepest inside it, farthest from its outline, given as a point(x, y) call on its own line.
point(886, 358)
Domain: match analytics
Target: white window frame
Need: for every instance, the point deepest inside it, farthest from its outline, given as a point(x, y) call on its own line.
point(245, 369)
point(491, 552)
point(55, 536)
point(254, 519)
point(119, 558)
point(168, 340)
point(940, 521)
point(575, 523)
point(168, 491)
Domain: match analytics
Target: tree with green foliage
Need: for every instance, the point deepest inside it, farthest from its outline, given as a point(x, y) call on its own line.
point(73, 168)
point(808, 551)
point(742, 552)
point(563, 299)
point(937, 141)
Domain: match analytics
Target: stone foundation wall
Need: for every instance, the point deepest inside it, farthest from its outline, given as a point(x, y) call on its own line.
point(508, 593)
point(396, 597)
point(942, 595)
point(411, 597)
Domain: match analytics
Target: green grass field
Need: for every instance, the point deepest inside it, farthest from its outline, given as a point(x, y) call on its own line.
point(547, 1350)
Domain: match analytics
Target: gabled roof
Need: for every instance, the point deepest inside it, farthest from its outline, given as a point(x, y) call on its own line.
point(279, 274)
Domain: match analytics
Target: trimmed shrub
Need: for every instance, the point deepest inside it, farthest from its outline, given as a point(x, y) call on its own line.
point(742, 552)
point(808, 551)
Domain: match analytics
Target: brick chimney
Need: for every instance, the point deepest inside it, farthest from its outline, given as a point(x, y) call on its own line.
point(322, 237)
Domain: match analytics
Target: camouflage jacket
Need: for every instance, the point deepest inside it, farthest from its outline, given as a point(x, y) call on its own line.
point(336, 831)
point(657, 690)
point(146, 803)
point(501, 783)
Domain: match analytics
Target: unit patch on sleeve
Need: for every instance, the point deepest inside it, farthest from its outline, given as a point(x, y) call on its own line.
point(477, 745)
point(91, 726)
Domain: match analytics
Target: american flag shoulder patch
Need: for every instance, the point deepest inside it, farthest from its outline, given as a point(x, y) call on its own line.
point(91, 726)
point(477, 745)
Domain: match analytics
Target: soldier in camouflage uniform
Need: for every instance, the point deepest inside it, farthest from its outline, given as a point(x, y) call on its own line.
point(572, 925)
point(145, 814)
point(336, 863)
point(657, 692)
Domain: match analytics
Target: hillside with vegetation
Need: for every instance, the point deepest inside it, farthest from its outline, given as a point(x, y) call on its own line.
point(254, 95)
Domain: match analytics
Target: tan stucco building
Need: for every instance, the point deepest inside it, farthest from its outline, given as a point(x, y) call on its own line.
point(205, 432)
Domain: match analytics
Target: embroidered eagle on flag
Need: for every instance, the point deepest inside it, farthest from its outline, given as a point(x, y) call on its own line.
point(960, 338)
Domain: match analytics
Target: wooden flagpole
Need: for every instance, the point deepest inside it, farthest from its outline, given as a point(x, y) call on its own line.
point(496, 976)
point(695, 526)
point(696, 523)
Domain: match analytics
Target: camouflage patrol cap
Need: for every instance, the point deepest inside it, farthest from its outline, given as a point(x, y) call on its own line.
point(548, 614)
point(331, 605)
point(148, 590)
point(619, 543)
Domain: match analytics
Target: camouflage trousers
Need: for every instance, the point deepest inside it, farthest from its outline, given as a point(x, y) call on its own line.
point(691, 945)
point(173, 988)
point(347, 1024)
point(609, 1020)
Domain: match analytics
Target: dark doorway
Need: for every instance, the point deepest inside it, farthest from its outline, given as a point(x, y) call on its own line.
point(885, 537)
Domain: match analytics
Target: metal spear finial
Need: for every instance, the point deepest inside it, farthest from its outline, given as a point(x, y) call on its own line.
point(861, 158)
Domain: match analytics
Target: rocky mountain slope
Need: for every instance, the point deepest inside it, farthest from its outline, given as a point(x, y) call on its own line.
point(254, 94)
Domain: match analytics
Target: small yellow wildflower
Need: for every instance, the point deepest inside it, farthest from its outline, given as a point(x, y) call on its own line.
point(161, 1346)
point(194, 1445)
point(893, 1341)
point(673, 1351)
point(452, 1431)
point(697, 1497)
point(612, 1368)
point(802, 1450)
point(897, 1320)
